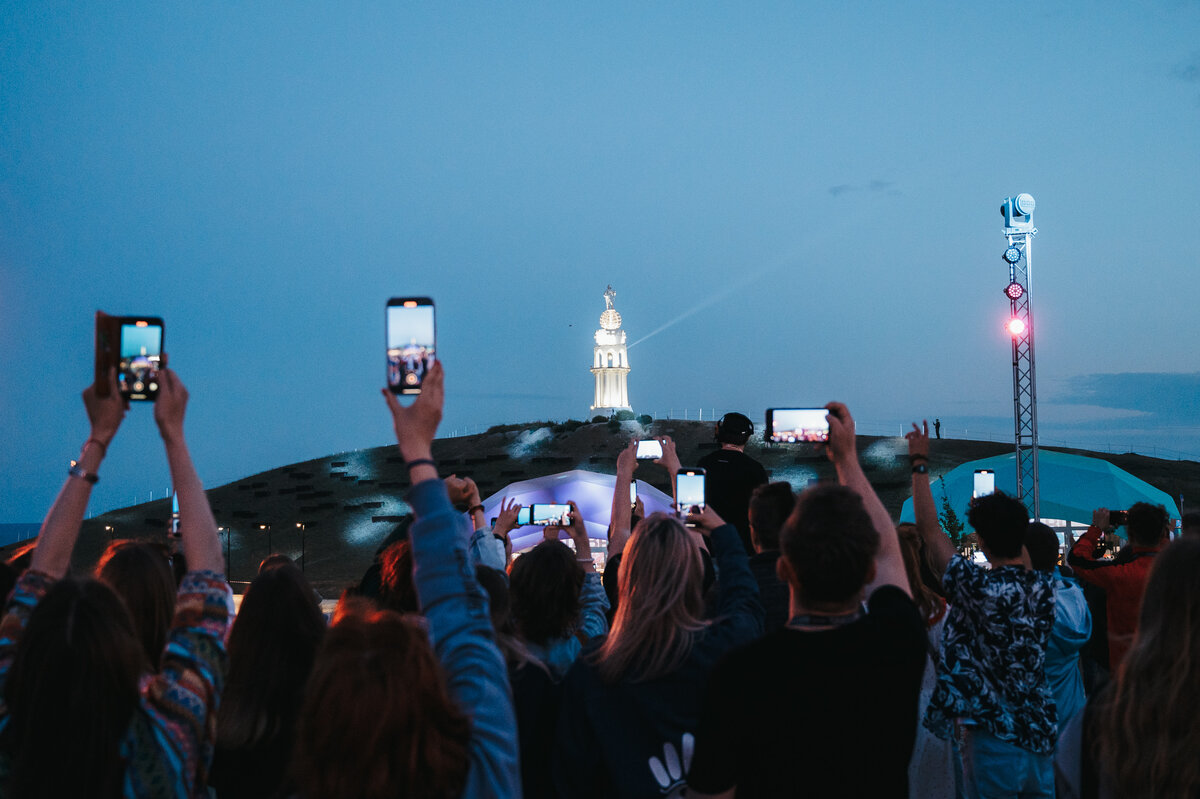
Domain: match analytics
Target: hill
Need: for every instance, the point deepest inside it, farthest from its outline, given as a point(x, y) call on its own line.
point(347, 503)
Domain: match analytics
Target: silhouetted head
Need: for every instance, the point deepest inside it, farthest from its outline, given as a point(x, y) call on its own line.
point(397, 591)
point(544, 585)
point(378, 720)
point(770, 506)
point(1000, 522)
point(1042, 544)
point(1147, 524)
point(829, 545)
point(140, 573)
point(71, 693)
point(734, 428)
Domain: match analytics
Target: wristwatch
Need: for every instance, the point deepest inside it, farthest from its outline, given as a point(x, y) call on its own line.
point(920, 468)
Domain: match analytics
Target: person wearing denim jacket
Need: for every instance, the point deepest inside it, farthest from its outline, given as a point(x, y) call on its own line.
point(460, 627)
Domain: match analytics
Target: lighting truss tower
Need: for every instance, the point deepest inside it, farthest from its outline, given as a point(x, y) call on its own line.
point(1019, 230)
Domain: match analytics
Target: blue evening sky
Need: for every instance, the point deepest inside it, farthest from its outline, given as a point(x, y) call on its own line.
point(795, 202)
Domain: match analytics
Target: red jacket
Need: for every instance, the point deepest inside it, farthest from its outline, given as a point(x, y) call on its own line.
point(1124, 584)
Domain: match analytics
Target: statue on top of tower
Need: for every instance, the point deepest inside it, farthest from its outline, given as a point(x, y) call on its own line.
point(609, 296)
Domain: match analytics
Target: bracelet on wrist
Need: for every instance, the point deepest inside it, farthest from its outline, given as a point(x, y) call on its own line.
point(474, 508)
point(585, 560)
point(918, 457)
point(103, 447)
point(420, 462)
point(920, 468)
point(75, 470)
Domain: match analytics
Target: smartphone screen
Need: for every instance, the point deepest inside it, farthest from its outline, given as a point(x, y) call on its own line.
point(633, 493)
point(794, 425)
point(140, 356)
point(523, 516)
point(985, 483)
point(411, 339)
point(550, 514)
point(649, 449)
point(689, 489)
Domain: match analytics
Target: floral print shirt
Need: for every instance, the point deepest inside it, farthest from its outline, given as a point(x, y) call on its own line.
point(991, 669)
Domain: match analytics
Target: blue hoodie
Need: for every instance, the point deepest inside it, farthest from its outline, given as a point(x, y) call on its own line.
point(1072, 628)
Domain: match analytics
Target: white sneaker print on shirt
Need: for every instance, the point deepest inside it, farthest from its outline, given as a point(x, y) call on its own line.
point(671, 772)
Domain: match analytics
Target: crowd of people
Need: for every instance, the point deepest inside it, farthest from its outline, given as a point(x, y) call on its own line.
point(765, 644)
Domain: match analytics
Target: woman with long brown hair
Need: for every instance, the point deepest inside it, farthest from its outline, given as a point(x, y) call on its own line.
point(1139, 736)
point(630, 705)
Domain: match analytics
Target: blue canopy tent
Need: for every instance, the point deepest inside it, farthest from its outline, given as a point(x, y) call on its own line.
point(1072, 486)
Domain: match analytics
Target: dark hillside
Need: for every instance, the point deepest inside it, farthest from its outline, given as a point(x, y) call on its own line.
point(348, 502)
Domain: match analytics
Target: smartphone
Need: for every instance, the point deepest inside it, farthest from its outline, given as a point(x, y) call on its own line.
point(794, 425)
point(134, 346)
point(985, 483)
point(411, 343)
point(523, 516)
point(649, 449)
point(1117, 518)
point(550, 514)
point(633, 493)
point(689, 489)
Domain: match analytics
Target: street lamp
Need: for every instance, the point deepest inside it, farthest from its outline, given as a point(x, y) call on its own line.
point(302, 550)
point(112, 532)
point(225, 530)
point(270, 547)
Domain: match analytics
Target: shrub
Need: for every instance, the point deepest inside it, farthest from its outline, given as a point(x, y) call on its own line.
point(645, 419)
point(597, 419)
point(624, 416)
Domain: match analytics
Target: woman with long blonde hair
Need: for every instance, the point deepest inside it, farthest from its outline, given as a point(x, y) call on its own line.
point(631, 703)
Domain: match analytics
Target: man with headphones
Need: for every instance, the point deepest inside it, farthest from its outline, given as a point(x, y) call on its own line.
point(731, 475)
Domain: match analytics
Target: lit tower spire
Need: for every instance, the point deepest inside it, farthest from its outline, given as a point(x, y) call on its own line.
point(610, 361)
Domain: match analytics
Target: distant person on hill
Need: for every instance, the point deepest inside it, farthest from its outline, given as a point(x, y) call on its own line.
point(1123, 582)
point(827, 706)
point(937, 428)
point(731, 475)
point(770, 506)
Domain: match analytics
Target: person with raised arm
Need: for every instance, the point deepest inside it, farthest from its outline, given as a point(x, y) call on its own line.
point(826, 706)
point(79, 716)
point(381, 719)
point(992, 694)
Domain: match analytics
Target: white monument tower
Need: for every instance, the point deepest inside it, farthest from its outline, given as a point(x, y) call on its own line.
point(610, 363)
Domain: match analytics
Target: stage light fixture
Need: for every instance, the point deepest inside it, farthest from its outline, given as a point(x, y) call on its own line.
point(1012, 255)
point(1014, 290)
point(1024, 205)
point(1015, 327)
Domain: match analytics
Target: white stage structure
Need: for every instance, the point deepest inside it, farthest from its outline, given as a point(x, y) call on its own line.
point(610, 361)
point(592, 492)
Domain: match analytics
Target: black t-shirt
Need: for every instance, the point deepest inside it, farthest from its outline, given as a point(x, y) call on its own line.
point(730, 477)
point(817, 713)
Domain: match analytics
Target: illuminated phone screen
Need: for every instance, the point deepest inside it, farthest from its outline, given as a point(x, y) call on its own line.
point(793, 425)
point(141, 355)
point(523, 516)
point(411, 344)
point(985, 483)
point(551, 514)
point(689, 489)
point(649, 449)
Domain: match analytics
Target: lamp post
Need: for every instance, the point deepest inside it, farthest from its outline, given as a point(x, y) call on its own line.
point(270, 547)
point(225, 530)
point(112, 532)
point(1019, 231)
point(302, 548)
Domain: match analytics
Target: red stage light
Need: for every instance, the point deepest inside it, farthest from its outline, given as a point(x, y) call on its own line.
point(1015, 327)
point(1014, 290)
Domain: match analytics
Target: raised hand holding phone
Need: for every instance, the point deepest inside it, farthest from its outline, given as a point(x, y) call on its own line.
point(417, 424)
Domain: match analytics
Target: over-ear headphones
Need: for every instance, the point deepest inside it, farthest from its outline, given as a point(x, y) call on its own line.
point(734, 426)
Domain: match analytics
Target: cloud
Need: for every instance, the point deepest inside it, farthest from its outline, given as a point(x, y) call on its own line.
point(1169, 397)
point(874, 186)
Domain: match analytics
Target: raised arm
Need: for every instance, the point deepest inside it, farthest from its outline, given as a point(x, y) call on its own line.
point(889, 564)
point(460, 626)
point(60, 530)
point(937, 543)
point(621, 516)
point(197, 528)
point(669, 460)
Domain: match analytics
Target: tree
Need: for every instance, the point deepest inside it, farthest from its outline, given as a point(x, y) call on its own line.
point(950, 522)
